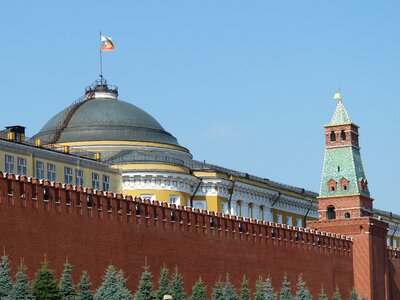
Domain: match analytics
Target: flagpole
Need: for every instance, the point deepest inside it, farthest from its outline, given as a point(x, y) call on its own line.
point(101, 60)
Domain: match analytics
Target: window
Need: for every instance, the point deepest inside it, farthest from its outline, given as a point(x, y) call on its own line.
point(347, 215)
point(225, 208)
point(106, 183)
point(200, 204)
point(51, 172)
point(279, 218)
point(21, 166)
point(333, 136)
point(79, 177)
point(238, 208)
point(330, 212)
point(68, 175)
point(299, 222)
point(289, 220)
point(40, 169)
point(261, 213)
point(250, 210)
point(394, 243)
point(150, 197)
point(9, 164)
point(343, 135)
point(173, 199)
point(95, 181)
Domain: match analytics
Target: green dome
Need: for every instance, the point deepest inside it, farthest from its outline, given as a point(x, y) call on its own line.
point(106, 119)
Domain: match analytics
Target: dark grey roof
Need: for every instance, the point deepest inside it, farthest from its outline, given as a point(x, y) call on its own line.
point(107, 119)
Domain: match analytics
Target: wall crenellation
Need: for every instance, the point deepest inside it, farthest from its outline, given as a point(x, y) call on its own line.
point(45, 195)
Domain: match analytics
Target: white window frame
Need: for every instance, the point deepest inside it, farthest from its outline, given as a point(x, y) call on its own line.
point(175, 199)
point(39, 169)
point(51, 172)
point(151, 197)
point(68, 177)
point(200, 204)
point(299, 222)
point(95, 181)
point(79, 177)
point(279, 218)
point(9, 163)
point(21, 166)
point(289, 220)
point(106, 183)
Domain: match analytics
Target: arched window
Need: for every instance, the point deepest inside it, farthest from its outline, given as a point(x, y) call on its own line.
point(333, 136)
point(330, 212)
point(343, 135)
point(347, 215)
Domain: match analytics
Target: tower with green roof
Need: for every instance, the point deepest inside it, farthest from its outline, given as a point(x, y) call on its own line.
point(344, 190)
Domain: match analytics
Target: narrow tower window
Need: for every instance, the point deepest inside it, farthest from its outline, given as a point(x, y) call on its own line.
point(343, 135)
point(333, 136)
point(338, 168)
point(330, 212)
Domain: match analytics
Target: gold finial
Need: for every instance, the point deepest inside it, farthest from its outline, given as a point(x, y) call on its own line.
point(338, 96)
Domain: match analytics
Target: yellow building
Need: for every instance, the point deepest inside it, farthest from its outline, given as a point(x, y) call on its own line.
point(23, 158)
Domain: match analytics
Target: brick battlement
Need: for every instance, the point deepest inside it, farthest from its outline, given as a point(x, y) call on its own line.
point(68, 199)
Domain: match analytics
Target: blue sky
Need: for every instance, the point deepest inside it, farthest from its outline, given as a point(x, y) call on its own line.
point(246, 85)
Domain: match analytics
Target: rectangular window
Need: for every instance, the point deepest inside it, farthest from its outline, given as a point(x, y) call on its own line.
point(9, 164)
point(106, 183)
point(79, 177)
point(68, 175)
point(39, 169)
point(394, 243)
point(261, 213)
point(279, 218)
point(173, 199)
point(95, 181)
point(299, 222)
point(51, 172)
point(289, 220)
point(148, 196)
point(225, 208)
point(21, 166)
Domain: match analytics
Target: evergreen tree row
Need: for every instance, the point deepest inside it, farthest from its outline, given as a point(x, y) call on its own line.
point(113, 287)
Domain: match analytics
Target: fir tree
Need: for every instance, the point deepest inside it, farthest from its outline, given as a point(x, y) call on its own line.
point(218, 291)
point(67, 289)
point(245, 293)
point(176, 287)
point(21, 289)
point(322, 295)
point(44, 286)
point(269, 290)
point(122, 292)
point(199, 291)
point(229, 290)
point(302, 291)
point(336, 295)
point(145, 288)
point(109, 286)
point(259, 293)
point(85, 288)
point(163, 283)
point(286, 291)
point(353, 295)
point(5, 280)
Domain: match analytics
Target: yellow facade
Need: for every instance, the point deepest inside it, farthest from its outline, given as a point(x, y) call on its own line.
point(32, 155)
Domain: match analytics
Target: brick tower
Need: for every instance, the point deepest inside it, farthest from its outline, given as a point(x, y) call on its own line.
point(344, 190)
point(345, 205)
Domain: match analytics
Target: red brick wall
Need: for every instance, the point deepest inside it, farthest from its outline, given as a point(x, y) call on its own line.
point(369, 252)
point(92, 238)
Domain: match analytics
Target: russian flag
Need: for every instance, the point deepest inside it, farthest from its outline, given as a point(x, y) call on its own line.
point(106, 44)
